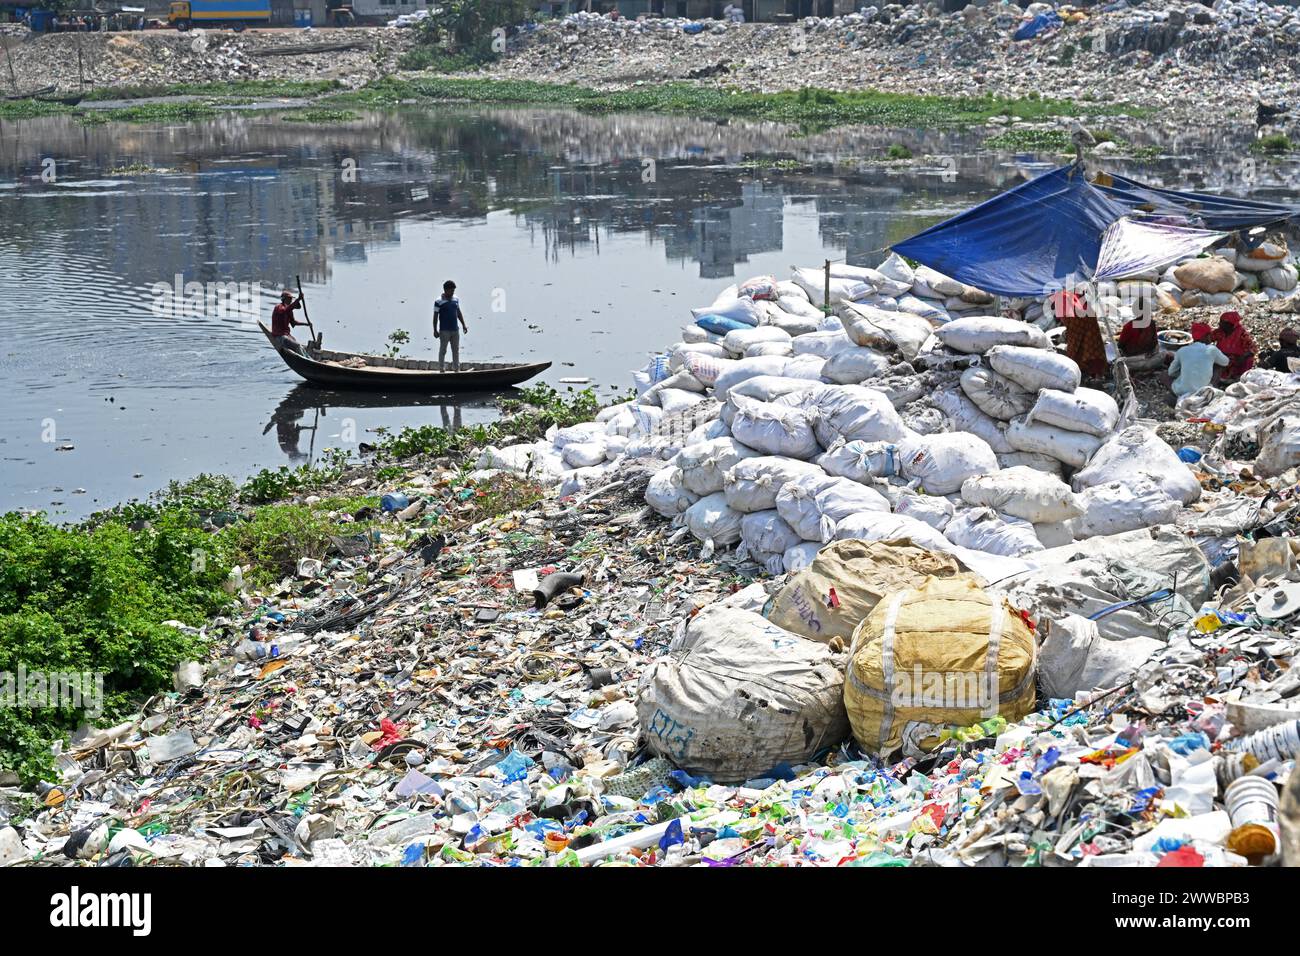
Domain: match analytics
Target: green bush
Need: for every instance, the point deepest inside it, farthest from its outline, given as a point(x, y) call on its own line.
point(94, 599)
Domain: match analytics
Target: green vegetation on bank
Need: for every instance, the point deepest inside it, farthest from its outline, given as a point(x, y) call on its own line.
point(1033, 140)
point(266, 89)
point(93, 597)
point(807, 107)
point(320, 116)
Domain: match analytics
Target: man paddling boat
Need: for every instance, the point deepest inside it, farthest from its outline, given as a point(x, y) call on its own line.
point(283, 322)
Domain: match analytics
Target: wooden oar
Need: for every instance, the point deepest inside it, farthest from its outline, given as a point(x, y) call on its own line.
point(315, 344)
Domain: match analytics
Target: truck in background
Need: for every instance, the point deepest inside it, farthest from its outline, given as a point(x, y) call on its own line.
point(183, 14)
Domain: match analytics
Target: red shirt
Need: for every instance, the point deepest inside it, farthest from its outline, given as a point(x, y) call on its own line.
point(282, 319)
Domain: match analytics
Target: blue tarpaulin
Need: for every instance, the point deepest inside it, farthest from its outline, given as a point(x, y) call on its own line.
point(1201, 209)
point(1025, 241)
point(1039, 24)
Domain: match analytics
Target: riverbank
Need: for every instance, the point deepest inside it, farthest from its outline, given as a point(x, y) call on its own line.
point(1159, 57)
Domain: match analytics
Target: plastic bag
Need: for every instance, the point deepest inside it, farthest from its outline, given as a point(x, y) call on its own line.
point(1023, 493)
point(1073, 448)
point(774, 429)
point(1083, 410)
point(983, 529)
point(1033, 369)
point(940, 463)
point(994, 395)
point(978, 334)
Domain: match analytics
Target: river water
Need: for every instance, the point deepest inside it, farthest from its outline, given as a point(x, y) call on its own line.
point(576, 239)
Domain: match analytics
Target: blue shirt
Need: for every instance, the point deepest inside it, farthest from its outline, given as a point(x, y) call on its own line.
point(1193, 367)
point(447, 311)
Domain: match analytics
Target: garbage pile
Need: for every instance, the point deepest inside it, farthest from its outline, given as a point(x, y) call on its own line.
point(1051, 50)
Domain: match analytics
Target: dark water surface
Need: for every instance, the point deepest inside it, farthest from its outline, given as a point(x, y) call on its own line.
point(567, 244)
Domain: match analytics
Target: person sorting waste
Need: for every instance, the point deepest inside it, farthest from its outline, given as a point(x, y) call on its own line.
point(283, 322)
point(1288, 347)
point(1193, 367)
point(446, 313)
point(1083, 342)
point(1235, 342)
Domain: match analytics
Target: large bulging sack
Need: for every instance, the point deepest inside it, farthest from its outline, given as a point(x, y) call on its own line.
point(1075, 658)
point(680, 355)
point(813, 283)
point(737, 341)
point(860, 574)
point(704, 466)
point(849, 412)
point(940, 463)
point(766, 537)
point(822, 344)
point(709, 519)
point(877, 328)
point(860, 461)
point(966, 416)
point(882, 526)
point(801, 556)
point(895, 267)
point(977, 334)
point(774, 429)
point(814, 506)
point(1031, 459)
point(994, 395)
point(926, 309)
point(1023, 493)
point(1118, 506)
point(1085, 410)
point(983, 529)
point(852, 366)
point(741, 696)
point(1136, 453)
point(1073, 448)
point(753, 484)
point(934, 510)
point(945, 653)
point(743, 310)
point(934, 284)
point(733, 373)
point(1034, 369)
point(1208, 275)
point(768, 388)
point(1279, 444)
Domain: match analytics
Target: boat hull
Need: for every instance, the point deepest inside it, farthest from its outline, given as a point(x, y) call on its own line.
point(480, 377)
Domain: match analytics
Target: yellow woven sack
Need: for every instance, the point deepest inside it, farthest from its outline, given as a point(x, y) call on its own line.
point(944, 653)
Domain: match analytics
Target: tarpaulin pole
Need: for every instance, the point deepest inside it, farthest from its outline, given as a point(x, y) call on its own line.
point(826, 303)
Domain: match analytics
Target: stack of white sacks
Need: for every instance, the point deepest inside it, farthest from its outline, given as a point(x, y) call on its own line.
point(912, 412)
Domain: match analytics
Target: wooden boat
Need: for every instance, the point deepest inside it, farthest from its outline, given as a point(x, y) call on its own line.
point(356, 370)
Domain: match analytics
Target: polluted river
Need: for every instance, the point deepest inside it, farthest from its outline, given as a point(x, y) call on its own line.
point(135, 260)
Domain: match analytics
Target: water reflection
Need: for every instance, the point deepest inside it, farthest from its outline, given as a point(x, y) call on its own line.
point(576, 238)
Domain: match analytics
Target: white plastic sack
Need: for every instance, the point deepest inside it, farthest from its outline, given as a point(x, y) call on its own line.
point(849, 412)
point(1279, 445)
point(883, 526)
point(855, 365)
point(1034, 369)
point(769, 348)
point(741, 696)
point(747, 368)
point(800, 556)
point(610, 412)
point(903, 330)
point(859, 460)
point(694, 335)
point(709, 519)
point(1023, 493)
point(681, 379)
point(977, 334)
point(768, 388)
point(706, 431)
point(774, 429)
point(584, 454)
point(940, 463)
point(679, 356)
point(822, 344)
point(813, 506)
point(707, 368)
point(1075, 658)
point(1055, 534)
point(994, 395)
point(936, 283)
point(667, 495)
point(896, 268)
point(741, 309)
point(615, 445)
point(934, 510)
point(983, 529)
point(766, 534)
point(1083, 410)
point(923, 308)
point(1029, 459)
point(967, 417)
point(753, 483)
point(1135, 453)
point(1119, 506)
point(574, 434)
point(704, 466)
point(740, 339)
point(1073, 448)
point(813, 283)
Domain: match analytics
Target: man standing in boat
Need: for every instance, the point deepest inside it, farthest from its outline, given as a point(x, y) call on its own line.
point(282, 323)
point(446, 313)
